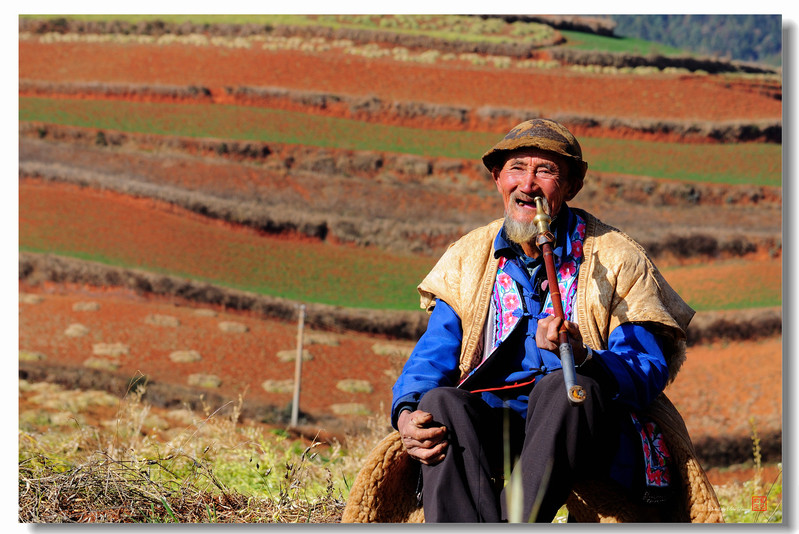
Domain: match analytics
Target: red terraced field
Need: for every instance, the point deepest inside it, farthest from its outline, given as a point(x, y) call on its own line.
point(243, 361)
point(713, 400)
point(720, 387)
point(560, 91)
point(146, 234)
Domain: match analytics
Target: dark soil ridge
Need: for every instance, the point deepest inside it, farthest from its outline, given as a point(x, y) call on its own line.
point(580, 23)
point(402, 168)
point(712, 451)
point(706, 327)
point(521, 49)
point(386, 172)
point(573, 56)
point(723, 451)
point(417, 114)
point(389, 234)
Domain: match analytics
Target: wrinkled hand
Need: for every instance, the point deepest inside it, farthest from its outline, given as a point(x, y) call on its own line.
point(546, 337)
point(425, 443)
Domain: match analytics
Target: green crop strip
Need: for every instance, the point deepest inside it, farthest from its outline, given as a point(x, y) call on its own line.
point(602, 43)
point(252, 124)
point(748, 163)
point(729, 285)
point(87, 225)
point(447, 27)
point(743, 163)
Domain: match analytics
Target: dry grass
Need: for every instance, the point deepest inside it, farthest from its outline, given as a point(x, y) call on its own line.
point(141, 468)
point(107, 490)
point(210, 468)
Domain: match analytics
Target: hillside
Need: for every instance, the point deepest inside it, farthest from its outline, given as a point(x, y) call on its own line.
point(178, 174)
point(756, 38)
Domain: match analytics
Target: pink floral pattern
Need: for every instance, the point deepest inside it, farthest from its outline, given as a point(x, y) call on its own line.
point(567, 269)
point(567, 272)
point(577, 247)
point(504, 279)
point(508, 303)
point(507, 298)
point(656, 453)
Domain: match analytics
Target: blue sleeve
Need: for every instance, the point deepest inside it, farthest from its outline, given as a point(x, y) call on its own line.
point(433, 361)
point(635, 360)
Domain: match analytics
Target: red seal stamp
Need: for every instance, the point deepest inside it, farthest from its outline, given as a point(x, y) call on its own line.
point(758, 503)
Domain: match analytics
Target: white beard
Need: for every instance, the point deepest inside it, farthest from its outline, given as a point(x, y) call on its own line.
point(520, 232)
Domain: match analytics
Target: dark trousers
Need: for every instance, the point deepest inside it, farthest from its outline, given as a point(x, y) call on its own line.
point(555, 446)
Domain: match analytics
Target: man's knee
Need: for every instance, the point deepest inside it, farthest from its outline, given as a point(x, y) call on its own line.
point(442, 399)
point(554, 381)
point(550, 390)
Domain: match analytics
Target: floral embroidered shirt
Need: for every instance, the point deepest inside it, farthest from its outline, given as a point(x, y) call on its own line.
point(634, 360)
point(634, 357)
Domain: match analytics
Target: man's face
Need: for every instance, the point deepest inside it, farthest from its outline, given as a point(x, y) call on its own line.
point(528, 173)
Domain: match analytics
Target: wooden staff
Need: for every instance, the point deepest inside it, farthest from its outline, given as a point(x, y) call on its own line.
point(545, 240)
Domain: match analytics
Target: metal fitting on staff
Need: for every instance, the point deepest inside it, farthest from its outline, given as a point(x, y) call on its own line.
point(542, 221)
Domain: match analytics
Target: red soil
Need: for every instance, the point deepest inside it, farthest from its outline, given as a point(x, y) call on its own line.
point(127, 229)
point(671, 97)
point(710, 392)
point(720, 387)
point(242, 360)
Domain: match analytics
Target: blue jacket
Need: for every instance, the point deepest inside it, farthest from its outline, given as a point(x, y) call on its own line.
point(634, 362)
point(634, 358)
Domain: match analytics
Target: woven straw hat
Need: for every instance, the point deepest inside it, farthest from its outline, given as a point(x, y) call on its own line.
point(544, 134)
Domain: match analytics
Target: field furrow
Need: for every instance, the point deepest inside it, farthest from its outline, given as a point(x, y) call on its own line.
point(185, 185)
point(702, 163)
point(94, 225)
point(144, 234)
point(560, 91)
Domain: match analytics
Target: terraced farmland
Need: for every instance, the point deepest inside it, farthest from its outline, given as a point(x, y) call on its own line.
point(325, 170)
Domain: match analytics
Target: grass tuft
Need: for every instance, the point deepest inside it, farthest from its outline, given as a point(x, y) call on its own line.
point(216, 470)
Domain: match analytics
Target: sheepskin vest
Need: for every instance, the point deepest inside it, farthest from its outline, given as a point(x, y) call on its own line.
point(617, 283)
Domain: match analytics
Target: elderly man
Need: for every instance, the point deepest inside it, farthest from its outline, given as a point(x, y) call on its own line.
point(483, 390)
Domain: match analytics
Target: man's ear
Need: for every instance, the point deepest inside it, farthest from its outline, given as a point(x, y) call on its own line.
point(495, 175)
point(574, 188)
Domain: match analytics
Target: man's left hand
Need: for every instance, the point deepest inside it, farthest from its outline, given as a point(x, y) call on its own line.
point(546, 337)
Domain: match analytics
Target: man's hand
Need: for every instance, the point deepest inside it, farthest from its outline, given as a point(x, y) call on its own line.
point(428, 444)
point(546, 337)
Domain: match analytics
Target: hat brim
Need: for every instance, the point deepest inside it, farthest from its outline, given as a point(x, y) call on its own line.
point(501, 150)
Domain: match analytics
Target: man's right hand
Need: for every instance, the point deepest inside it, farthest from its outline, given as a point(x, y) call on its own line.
point(427, 444)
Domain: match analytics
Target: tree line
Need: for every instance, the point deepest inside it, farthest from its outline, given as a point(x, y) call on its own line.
point(756, 38)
